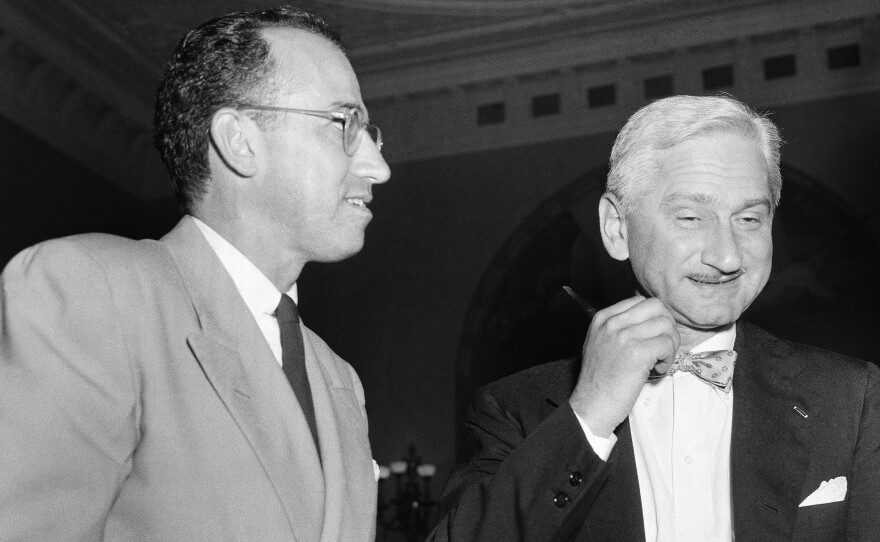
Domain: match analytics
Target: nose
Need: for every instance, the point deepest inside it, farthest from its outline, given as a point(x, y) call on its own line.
point(722, 249)
point(368, 162)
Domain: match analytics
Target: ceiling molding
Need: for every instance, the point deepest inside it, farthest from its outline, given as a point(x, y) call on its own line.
point(444, 121)
point(39, 96)
point(94, 57)
point(465, 8)
point(534, 52)
point(547, 25)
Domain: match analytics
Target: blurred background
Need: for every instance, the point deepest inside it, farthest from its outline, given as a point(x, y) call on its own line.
point(498, 117)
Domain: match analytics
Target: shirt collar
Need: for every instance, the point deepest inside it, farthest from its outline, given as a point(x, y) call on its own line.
point(723, 340)
point(258, 292)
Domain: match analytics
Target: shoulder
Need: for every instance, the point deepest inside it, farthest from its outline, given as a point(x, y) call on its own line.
point(98, 250)
point(810, 366)
point(823, 361)
point(550, 377)
point(87, 274)
point(531, 388)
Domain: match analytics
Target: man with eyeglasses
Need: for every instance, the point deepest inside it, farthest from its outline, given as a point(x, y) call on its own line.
point(166, 390)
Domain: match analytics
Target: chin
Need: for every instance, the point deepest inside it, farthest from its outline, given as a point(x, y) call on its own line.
point(339, 253)
point(710, 321)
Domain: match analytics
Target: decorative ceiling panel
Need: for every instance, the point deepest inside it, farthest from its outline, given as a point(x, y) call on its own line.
point(151, 28)
point(470, 7)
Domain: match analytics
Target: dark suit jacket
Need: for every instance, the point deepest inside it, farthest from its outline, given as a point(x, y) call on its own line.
point(139, 401)
point(533, 476)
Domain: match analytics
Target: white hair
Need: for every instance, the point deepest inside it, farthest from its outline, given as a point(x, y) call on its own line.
point(661, 125)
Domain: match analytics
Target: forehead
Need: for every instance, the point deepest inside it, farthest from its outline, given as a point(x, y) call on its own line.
point(718, 164)
point(310, 71)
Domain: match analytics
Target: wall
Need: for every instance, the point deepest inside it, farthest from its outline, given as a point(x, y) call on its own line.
point(836, 142)
point(395, 311)
point(45, 194)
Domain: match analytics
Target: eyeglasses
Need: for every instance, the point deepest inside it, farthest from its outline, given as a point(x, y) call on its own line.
point(353, 124)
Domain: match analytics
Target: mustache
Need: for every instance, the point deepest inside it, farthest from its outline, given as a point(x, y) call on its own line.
point(716, 278)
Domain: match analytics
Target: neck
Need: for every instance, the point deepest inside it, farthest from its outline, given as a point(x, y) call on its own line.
point(691, 337)
point(257, 247)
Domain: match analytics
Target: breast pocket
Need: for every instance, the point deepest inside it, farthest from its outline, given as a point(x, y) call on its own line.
point(823, 521)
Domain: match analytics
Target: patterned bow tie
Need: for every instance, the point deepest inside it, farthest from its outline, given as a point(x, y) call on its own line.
point(714, 368)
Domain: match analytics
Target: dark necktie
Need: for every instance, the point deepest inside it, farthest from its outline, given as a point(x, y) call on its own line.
point(714, 368)
point(293, 359)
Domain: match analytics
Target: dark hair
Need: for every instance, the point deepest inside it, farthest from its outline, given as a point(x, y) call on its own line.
point(224, 62)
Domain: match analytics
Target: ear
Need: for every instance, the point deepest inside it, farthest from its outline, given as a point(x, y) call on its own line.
point(612, 226)
point(233, 136)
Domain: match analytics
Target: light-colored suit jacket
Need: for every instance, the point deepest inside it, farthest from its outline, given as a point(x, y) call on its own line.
point(139, 401)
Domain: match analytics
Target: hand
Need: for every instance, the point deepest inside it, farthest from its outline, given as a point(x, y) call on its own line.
point(625, 341)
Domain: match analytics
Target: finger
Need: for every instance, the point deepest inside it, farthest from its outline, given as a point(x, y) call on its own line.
point(621, 306)
point(662, 367)
point(639, 312)
point(660, 352)
point(648, 329)
point(651, 306)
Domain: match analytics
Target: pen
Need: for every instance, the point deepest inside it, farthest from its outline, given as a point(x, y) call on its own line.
point(581, 302)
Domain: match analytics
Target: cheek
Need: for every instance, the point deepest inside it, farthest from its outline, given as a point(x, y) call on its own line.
point(757, 264)
point(656, 262)
point(760, 252)
point(319, 190)
point(659, 250)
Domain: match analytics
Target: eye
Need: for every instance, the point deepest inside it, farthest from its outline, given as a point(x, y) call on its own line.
point(689, 221)
point(750, 222)
point(687, 216)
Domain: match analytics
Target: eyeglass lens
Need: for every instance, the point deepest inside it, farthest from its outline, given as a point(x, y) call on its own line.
point(354, 125)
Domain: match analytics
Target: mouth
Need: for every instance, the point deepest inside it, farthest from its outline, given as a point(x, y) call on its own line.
point(358, 202)
point(715, 280)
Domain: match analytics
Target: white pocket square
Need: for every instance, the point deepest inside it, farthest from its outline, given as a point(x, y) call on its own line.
point(830, 491)
point(376, 470)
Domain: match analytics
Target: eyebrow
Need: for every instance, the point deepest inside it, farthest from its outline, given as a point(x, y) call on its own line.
point(706, 198)
point(759, 202)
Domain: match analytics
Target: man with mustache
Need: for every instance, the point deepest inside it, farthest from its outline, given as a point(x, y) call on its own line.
point(679, 422)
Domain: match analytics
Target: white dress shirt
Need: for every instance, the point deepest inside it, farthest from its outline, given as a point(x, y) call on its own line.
point(681, 430)
point(258, 292)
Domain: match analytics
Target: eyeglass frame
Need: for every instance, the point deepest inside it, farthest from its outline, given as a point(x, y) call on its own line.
point(347, 117)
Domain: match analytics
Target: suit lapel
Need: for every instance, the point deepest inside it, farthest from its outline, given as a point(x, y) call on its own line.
point(349, 481)
point(240, 366)
point(771, 442)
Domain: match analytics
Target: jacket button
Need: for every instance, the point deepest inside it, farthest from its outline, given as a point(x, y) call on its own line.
point(575, 478)
point(560, 500)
